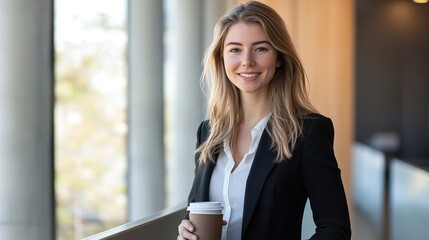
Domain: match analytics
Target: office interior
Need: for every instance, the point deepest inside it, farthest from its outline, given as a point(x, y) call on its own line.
point(367, 63)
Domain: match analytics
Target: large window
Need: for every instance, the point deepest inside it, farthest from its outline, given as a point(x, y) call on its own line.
point(90, 116)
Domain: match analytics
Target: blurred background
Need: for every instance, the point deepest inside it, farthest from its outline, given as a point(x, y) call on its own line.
point(100, 102)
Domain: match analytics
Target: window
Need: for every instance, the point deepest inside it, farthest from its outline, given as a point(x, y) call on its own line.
point(90, 116)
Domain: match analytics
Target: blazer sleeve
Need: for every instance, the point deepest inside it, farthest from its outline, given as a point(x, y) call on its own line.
point(323, 184)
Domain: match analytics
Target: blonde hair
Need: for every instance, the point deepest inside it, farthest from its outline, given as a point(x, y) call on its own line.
point(288, 99)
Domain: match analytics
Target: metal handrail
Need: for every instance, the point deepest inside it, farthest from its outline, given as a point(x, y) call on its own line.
point(161, 225)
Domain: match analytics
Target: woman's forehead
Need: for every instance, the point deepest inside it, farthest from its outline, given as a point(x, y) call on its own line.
point(245, 33)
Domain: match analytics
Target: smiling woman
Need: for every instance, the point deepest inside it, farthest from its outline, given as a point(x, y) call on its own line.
point(264, 149)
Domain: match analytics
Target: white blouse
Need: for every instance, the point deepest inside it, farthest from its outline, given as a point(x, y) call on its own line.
point(228, 187)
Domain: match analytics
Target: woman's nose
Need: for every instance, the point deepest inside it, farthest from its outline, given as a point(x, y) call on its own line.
point(247, 59)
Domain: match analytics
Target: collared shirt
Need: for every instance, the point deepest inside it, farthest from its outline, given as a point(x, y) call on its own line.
point(228, 186)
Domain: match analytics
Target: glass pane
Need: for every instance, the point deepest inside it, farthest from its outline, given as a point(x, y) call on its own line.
point(90, 116)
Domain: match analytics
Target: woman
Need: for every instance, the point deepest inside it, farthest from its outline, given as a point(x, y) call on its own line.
point(264, 150)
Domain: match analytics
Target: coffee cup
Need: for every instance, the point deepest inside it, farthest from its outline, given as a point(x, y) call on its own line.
point(207, 219)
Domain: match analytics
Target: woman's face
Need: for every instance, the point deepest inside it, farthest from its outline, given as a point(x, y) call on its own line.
point(249, 59)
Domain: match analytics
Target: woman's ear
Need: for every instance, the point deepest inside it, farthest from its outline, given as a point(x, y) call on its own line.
point(278, 63)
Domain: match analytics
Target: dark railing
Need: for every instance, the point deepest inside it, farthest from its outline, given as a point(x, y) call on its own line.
point(161, 225)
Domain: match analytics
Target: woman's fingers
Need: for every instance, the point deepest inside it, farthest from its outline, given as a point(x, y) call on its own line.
point(185, 231)
point(187, 225)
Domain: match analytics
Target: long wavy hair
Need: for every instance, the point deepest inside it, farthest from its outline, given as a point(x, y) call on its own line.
point(288, 101)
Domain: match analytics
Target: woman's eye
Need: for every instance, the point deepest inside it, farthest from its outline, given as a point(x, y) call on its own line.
point(261, 49)
point(234, 50)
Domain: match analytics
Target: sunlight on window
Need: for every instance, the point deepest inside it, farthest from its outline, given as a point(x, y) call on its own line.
point(90, 116)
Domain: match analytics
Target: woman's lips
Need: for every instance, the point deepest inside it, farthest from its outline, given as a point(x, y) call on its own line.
point(248, 75)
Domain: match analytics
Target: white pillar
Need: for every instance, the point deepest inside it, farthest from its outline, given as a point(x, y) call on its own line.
point(146, 107)
point(26, 148)
point(187, 104)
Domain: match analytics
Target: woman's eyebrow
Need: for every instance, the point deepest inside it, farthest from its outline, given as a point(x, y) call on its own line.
point(255, 43)
point(261, 42)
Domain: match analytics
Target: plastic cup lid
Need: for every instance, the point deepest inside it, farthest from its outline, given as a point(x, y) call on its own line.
point(205, 206)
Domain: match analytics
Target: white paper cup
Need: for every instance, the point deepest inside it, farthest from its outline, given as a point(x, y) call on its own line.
point(207, 219)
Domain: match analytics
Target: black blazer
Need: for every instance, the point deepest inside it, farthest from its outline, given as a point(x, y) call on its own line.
point(276, 194)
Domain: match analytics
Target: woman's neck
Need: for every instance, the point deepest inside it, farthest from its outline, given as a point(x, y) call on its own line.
point(254, 109)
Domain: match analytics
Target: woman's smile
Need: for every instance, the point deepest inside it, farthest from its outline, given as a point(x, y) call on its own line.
point(248, 76)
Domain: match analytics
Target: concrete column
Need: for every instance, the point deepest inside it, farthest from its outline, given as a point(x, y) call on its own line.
point(186, 102)
point(146, 107)
point(26, 99)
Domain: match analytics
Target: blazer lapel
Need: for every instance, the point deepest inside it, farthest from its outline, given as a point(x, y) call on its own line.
point(261, 167)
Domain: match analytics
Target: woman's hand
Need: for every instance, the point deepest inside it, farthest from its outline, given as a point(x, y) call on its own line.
point(185, 231)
